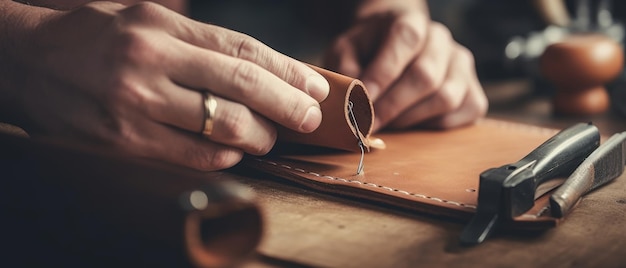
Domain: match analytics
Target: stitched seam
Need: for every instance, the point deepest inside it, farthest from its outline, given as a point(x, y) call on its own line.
point(367, 184)
point(509, 125)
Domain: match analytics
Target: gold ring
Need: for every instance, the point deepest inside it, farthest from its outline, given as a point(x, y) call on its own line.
point(210, 105)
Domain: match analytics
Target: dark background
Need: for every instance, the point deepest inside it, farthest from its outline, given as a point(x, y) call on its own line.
point(304, 29)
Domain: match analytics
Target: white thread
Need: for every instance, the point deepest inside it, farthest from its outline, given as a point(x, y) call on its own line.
point(509, 125)
point(359, 168)
point(369, 184)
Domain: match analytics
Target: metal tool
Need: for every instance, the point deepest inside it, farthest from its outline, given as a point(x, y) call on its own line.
point(359, 168)
point(602, 166)
point(509, 191)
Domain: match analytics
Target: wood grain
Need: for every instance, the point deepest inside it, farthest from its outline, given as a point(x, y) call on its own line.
point(314, 229)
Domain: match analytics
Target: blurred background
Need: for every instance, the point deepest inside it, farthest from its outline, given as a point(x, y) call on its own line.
point(506, 37)
point(303, 29)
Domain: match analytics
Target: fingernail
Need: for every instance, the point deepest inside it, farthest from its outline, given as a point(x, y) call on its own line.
point(312, 120)
point(317, 87)
point(372, 88)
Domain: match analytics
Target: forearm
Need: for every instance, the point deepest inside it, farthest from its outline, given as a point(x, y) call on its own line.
point(17, 21)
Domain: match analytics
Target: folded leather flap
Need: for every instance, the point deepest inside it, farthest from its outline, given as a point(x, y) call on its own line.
point(337, 130)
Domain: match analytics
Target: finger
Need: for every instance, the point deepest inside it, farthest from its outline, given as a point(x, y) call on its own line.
point(233, 124)
point(401, 46)
point(172, 104)
point(158, 141)
point(423, 76)
point(474, 106)
point(247, 83)
point(343, 57)
point(445, 99)
point(293, 72)
point(233, 44)
point(228, 77)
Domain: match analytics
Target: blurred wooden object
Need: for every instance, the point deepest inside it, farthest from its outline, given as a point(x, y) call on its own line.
point(553, 12)
point(71, 206)
point(579, 66)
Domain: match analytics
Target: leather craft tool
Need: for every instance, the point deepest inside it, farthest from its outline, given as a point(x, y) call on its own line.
point(509, 191)
point(359, 168)
point(602, 166)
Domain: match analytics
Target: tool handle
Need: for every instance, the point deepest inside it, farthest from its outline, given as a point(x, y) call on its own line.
point(603, 165)
point(509, 191)
point(556, 158)
point(562, 153)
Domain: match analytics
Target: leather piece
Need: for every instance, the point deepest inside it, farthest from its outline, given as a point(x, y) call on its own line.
point(430, 171)
point(335, 118)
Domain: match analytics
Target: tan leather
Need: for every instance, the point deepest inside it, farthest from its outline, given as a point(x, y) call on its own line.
point(435, 172)
point(336, 130)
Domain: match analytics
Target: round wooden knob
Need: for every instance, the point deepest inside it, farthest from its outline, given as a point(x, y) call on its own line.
point(579, 66)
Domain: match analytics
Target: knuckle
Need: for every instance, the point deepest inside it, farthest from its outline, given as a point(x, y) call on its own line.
point(449, 99)
point(123, 135)
point(265, 148)
point(127, 93)
point(261, 148)
point(481, 101)
point(386, 73)
point(246, 79)
point(97, 8)
point(295, 111)
point(209, 160)
point(222, 159)
point(341, 44)
point(407, 30)
point(144, 12)
point(442, 32)
point(236, 128)
point(481, 105)
point(428, 78)
point(132, 46)
point(237, 123)
point(465, 55)
point(248, 48)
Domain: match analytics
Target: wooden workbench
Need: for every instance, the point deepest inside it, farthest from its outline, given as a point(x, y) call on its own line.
point(305, 228)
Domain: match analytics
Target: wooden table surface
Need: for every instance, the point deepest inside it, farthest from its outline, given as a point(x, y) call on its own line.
point(305, 228)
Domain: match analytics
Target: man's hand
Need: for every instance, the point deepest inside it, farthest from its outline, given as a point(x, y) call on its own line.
point(131, 77)
point(413, 69)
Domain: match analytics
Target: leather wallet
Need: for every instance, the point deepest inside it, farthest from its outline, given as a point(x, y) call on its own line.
point(430, 171)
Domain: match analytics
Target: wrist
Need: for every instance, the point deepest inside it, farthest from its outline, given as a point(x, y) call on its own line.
point(17, 21)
